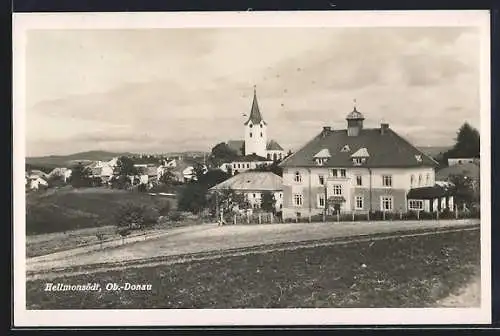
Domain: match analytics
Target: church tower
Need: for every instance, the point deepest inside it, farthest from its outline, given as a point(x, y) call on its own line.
point(255, 131)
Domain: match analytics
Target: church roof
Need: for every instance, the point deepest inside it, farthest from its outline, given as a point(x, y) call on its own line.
point(255, 116)
point(274, 145)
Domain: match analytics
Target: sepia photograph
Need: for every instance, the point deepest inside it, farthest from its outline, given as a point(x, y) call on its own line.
point(259, 165)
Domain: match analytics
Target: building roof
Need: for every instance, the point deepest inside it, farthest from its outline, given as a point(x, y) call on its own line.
point(469, 169)
point(255, 116)
point(355, 115)
point(429, 192)
point(274, 145)
point(251, 158)
point(386, 150)
point(263, 181)
point(324, 153)
point(237, 145)
point(38, 172)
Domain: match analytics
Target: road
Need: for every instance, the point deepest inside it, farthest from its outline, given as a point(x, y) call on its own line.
point(210, 237)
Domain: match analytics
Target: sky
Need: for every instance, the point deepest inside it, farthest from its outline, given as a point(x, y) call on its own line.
point(163, 90)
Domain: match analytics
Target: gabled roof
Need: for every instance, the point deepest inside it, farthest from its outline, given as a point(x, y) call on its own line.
point(386, 150)
point(429, 192)
point(324, 153)
point(251, 158)
point(255, 116)
point(252, 181)
point(274, 145)
point(362, 153)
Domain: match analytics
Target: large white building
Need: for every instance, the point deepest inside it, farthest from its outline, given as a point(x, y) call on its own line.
point(256, 137)
point(360, 170)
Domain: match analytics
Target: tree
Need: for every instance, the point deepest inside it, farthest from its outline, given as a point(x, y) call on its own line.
point(213, 177)
point(134, 216)
point(222, 153)
point(120, 182)
point(125, 167)
point(268, 202)
point(467, 143)
point(56, 181)
point(464, 190)
point(273, 168)
point(167, 177)
point(198, 171)
point(80, 176)
point(192, 198)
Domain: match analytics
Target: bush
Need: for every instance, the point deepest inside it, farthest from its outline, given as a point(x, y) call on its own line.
point(175, 216)
point(133, 216)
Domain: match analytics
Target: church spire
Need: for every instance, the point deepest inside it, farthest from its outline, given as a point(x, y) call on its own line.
point(255, 116)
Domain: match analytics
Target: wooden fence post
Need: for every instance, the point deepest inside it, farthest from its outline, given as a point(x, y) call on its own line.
point(437, 214)
point(368, 216)
point(260, 218)
point(271, 219)
point(400, 215)
point(338, 215)
point(234, 219)
point(309, 217)
point(456, 211)
point(353, 216)
point(248, 218)
point(383, 214)
point(418, 214)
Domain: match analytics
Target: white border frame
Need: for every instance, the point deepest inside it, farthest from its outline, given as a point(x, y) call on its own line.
point(186, 317)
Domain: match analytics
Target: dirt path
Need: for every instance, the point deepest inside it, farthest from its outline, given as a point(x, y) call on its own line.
point(468, 296)
point(206, 238)
point(210, 255)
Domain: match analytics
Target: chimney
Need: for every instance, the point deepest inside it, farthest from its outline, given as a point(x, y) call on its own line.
point(326, 131)
point(383, 128)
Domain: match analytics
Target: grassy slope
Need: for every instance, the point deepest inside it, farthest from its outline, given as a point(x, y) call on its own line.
point(69, 209)
point(403, 272)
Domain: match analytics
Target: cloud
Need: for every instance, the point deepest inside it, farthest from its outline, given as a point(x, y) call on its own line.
point(166, 90)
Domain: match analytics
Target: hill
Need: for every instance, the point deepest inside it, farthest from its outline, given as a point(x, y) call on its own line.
point(52, 161)
point(434, 151)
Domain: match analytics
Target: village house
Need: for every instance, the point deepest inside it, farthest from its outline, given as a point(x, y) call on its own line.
point(245, 163)
point(256, 137)
point(252, 185)
point(35, 182)
point(62, 172)
point(359, 170)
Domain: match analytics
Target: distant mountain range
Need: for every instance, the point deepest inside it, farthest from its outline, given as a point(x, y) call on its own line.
point(51, 161)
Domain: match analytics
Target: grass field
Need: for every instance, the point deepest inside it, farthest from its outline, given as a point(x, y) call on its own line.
point(68, 209)
point(398, 272)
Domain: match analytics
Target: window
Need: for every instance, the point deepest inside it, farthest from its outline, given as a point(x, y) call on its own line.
point(253, 195)
point(386, 203)
point(345, 148)
point(234, 165)
point(342, 173)
point(419, 180)
point(298, 199)
point(416, 205)
point(251, 125)
point(320, 161)
point(250, 134)
point(418, 158)
point(260, 125)
point(298, 177)
point(261, 134)
point(358, 161)
point(359, 180)
point(387, 180)
point(269, 156)
point(337, 189)
point(321, 179)
point(333, 172)
point(248, 165)
point(412, 180)
point(359, 202)
point(321, 201)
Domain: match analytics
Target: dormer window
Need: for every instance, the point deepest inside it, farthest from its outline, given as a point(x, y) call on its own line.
point(358, 161)
point(359, 157)
point(322, 156)
point(418, 158)
point(345, 149)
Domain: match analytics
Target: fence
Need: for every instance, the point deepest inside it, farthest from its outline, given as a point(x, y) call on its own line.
point(269, 218)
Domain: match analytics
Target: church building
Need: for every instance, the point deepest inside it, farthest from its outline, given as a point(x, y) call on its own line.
point(256, 141)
